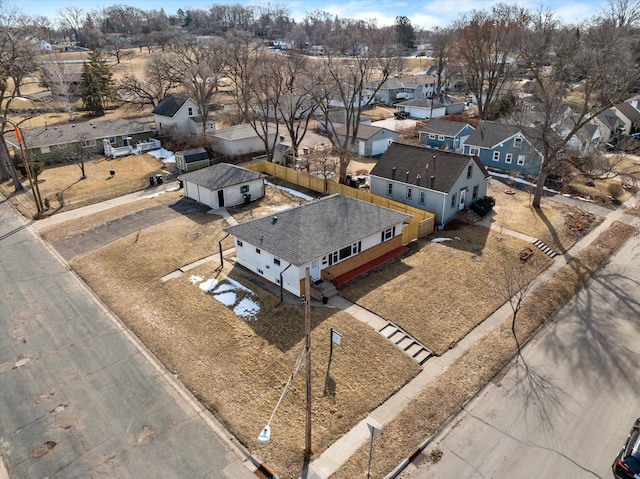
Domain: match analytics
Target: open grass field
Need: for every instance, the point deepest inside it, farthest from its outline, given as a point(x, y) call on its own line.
point(238, 365)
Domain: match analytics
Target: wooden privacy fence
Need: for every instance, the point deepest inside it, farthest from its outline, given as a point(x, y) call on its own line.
point(421, 224)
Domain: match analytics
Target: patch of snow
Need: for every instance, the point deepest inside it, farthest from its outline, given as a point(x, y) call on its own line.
point(228, 299)
point(440, 240)
point(247, 309)
point(280, 207)
point(520, 180)
point(176, 188)
point(208, 285)
point(578, 198)
point(161, 154)
point(168, 173)
point(238, 285)
point(292, 191)
point(195, 279)
point(155, 194)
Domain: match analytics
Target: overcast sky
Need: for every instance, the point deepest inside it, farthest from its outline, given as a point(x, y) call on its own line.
point(423, 13)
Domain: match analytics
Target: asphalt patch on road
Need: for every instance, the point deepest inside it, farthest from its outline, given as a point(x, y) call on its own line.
point(111, 231)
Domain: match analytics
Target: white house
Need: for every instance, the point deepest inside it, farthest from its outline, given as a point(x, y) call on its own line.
point(332, 236)
point(223, 185)
point(181, 112)
point(239, 140)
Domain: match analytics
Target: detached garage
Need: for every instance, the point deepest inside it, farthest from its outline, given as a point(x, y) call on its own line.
point(223, 185)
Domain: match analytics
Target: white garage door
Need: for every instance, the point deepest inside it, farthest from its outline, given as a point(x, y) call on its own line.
point(379, 147)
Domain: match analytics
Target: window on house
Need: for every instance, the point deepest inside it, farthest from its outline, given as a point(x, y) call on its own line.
point(423, 197)
point(390, 189)
point(496, 156)
point(45, 149)
point(521, 160)
point(454, 197)
point(409, 192)
point(112, 140)
point(244, 189)
point(258, 250)
point(469, 171)
point(388, 234)
point(474, 151)
point(474, 196)
point(276, 261)
point(441, 137)
point(432, 136)
point(239, 243)
point(508, 157)
point(88, 143)
point(190, 111)
point(345, 253)
point(517, 142)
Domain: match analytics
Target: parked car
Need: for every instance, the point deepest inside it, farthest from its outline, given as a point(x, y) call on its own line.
point(627, 464)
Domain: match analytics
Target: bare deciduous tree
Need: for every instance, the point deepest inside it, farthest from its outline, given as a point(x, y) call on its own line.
point(160, 78)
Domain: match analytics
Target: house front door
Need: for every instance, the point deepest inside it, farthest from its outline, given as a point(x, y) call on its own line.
point(463, 197)
point(315, 270)
point(220, 198)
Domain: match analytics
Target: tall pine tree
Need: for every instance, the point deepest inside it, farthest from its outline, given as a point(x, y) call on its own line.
point(98, 86)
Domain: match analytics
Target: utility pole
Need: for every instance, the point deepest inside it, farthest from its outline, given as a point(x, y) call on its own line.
point(35, 190)
point(307, 323)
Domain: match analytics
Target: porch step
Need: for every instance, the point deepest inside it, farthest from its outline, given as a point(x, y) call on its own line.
point(406, 343)
point(323, 289)
point(468, 216)
point(544, 248)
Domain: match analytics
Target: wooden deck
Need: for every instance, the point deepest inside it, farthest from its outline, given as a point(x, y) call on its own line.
point(346, 277)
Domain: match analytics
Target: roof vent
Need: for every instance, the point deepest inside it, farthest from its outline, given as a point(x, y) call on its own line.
point(418, 178)
point(261, 238)
point(406, 175)
point(273, 220)
point(433, 181)
point(393, 173)
point(73, 126)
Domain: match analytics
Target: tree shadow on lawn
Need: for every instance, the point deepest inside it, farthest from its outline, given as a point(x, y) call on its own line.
point(280, 323)
point(467, 238)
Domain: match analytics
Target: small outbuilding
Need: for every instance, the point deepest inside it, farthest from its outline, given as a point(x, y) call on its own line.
point(190, 160)
point(223, 185)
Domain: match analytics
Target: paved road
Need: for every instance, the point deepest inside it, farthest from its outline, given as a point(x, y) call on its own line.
point(79, 397)
point(569, 417)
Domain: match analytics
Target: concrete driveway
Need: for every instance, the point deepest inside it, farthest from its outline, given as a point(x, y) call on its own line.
point(567, 416)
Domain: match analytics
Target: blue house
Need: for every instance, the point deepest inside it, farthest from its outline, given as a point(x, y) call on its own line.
point(445, 134)
point(504, 147)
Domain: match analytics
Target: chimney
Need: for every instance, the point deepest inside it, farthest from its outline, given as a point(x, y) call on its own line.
point(393, 173)
point(406, 179)
point(418, 178)
point(433, 182)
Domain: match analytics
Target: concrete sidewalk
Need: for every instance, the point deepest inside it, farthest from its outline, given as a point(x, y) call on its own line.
point(341, 450)
point(74, 214)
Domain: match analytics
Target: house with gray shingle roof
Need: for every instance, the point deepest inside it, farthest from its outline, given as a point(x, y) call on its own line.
point(431, 107)
point(437, 181)
point(629, 116)
point(332, 236)
point(445, 134)
point(181, 112)
point(370, 140)
point(63, 142)
point(504, 147)
point(223, 185)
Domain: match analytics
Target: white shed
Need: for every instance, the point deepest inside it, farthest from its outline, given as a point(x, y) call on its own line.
point(223, 185)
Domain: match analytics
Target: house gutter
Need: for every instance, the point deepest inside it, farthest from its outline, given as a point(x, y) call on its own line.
point(444, 202)
point(220, 247)
point(282, 284)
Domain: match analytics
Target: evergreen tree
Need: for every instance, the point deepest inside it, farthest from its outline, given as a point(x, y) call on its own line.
point(405, 33)
point(98, 86)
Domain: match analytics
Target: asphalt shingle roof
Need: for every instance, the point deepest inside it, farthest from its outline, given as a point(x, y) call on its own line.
point(489, 134)
point(72, 133)
point(444, 127)
point(629, 111)
point(445, 166)
point(307, 232)
point(364, 131)
point(220, 176)
point(170, 105)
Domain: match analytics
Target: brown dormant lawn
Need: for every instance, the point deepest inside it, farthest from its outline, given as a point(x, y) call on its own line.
point(549, 223)
point(442, 290)
point(238, 367)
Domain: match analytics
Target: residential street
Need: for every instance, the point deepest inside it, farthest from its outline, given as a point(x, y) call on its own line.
point(569, 416)
point(81, 397)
